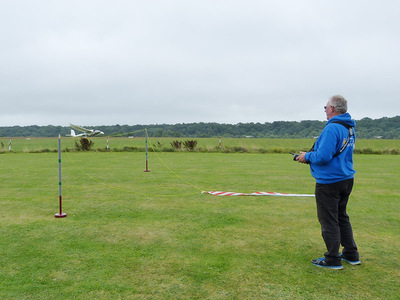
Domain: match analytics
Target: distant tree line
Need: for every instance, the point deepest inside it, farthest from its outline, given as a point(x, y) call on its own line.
point(367, 128)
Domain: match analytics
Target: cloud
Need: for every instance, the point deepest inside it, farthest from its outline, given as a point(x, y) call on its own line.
point(142, 62)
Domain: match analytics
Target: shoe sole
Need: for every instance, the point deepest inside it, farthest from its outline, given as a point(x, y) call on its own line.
point(329, 267)
point(353, 263)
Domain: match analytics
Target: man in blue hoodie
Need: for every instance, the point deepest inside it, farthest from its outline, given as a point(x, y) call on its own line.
point(331, 164)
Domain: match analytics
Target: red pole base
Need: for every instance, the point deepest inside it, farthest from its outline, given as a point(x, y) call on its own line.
point(60, 215)
point(147, 167)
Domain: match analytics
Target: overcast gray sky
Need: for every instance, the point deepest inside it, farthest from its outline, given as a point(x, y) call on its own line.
point(169, 61)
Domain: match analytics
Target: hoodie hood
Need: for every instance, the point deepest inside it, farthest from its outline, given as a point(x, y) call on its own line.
point(345, 118)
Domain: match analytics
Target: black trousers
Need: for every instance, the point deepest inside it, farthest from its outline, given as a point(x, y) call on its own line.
point(335, 223)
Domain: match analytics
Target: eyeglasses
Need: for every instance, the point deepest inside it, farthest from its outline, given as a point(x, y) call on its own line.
point(328, 106)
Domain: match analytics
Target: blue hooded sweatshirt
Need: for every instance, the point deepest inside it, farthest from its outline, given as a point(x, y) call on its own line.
point(326, 168)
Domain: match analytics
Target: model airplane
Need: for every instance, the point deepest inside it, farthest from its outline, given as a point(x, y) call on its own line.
point(85, 131)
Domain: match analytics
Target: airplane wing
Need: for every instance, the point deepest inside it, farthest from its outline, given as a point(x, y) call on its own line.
point(80, 128)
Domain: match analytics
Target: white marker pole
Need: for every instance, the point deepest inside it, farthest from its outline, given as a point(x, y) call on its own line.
point(60, 214)
point(108, 145)
point(9, 145)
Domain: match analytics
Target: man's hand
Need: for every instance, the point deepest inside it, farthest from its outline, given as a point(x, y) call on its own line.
point(301, 158)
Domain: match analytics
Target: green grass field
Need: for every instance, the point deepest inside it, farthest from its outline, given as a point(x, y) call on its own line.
point(130, 234)
point(29, 145)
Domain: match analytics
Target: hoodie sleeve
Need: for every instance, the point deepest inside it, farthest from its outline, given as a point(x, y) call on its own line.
point(325, 147)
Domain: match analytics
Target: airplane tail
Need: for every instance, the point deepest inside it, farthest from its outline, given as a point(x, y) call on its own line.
point(73, 133)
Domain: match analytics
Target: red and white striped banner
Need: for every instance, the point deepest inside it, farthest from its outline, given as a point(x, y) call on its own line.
point(219, 193)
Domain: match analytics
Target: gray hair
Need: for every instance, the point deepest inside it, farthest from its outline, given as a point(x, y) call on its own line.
point(339, 103)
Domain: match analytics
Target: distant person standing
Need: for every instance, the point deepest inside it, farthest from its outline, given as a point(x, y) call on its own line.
point(331, 164)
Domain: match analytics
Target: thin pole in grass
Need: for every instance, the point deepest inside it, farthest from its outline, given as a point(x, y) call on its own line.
point(147, 161)
point(60, 214)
